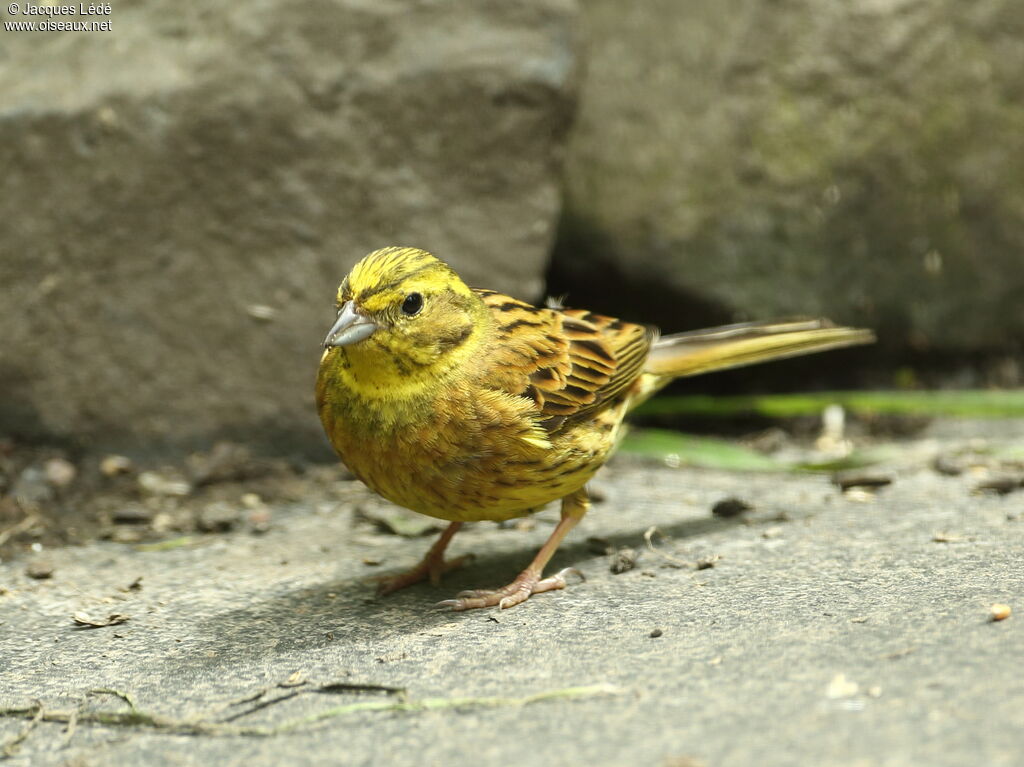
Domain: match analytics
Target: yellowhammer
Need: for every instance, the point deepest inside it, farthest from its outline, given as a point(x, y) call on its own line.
point(469, 405)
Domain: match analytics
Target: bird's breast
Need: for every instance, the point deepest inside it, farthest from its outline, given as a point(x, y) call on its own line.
point(463, 453)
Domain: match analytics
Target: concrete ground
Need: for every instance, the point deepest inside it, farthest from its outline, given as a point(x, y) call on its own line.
point(833, 629)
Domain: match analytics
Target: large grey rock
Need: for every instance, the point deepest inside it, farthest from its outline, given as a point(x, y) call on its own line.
point(862, 160)
point(181, 195)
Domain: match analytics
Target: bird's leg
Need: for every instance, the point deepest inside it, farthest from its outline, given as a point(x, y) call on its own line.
point(529, 581)
point(431, 567)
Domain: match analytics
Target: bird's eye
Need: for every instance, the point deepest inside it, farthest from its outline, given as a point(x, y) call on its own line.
point(412, 304)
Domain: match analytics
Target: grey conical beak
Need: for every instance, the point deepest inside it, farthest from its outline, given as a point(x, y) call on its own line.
point(351, 327)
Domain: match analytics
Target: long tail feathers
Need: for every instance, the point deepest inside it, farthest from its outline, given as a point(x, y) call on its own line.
point(730, 346)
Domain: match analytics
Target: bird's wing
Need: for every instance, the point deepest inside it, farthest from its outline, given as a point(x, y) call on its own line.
point(568, 361)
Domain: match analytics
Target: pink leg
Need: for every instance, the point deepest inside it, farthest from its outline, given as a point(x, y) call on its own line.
point(530, 580)
point(431, 567)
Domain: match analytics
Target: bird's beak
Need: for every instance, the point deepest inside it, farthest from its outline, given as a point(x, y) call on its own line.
point(351, 327)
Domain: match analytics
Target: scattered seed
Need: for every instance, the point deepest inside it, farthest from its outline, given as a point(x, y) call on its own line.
point(655, 634)
point(84, 621)
point(261, 312)
point(295, 679)
point(1000, 612)
point(841, 687)
point(949, 538)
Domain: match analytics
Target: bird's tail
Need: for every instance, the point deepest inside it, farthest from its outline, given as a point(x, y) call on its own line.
point(730, 346)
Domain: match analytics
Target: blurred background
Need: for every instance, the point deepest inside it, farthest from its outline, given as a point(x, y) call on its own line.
point(182, 194)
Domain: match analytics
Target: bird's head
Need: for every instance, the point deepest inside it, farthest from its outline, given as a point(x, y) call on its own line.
point(402, 312)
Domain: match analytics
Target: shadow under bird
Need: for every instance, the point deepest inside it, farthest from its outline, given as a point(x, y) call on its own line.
point(469, 405)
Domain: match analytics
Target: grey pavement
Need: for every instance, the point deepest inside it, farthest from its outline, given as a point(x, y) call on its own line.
point(833, 630)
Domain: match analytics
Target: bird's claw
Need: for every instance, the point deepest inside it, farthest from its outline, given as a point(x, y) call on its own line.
point(521, 589)
point(428, 569)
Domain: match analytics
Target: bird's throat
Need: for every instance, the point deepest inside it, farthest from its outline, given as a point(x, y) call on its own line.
point(373, 372)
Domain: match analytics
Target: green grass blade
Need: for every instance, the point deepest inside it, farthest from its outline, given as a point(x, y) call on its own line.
point(680, 449)
point(965, 403)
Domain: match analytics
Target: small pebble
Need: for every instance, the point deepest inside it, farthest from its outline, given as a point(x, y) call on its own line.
point(706, 563)
point(39, 570)
point(31, 487)
point(623, 560)
point(132, 514)
point(217, 518)
point(157, 484)
point(59, 473)
point(125, 535)
point(655, 634)
point(1000, 485)
point(113, 465)
point(851, 479)
point(730, 507)
point(948, 465)
point(259, 520)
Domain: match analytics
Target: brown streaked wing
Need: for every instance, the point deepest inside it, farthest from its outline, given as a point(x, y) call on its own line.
point(568, 361)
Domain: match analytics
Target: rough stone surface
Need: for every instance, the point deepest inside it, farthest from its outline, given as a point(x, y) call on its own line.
point(181, 195)
point(831, 629)
point(743, 160)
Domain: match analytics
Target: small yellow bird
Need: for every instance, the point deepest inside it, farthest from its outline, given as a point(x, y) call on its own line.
point(469, 405)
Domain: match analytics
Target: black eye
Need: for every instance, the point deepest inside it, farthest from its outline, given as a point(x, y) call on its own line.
point(412, 304)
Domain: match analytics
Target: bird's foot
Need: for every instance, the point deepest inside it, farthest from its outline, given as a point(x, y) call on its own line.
point(431, 568)
point(522, 588)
